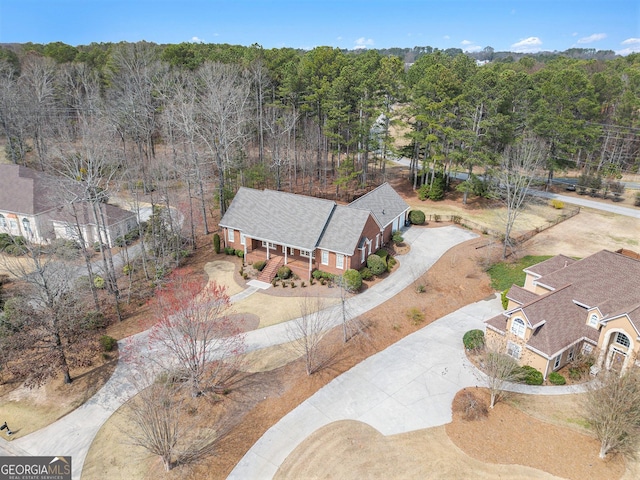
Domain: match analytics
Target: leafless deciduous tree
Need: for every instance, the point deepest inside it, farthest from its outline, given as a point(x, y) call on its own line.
point(518, 167)
point(224, 116)
point(194, 327)
point(306, 331)
point(46, 331)
point(166, 421)
point(500, 370)
point(612, 408)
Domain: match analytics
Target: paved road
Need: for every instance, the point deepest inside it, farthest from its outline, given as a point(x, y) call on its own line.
point(583, 202)
point(74, 433)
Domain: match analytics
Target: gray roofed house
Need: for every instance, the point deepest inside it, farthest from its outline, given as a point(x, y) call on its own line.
point(31, 207)
point(308, 233)
point(570, 307)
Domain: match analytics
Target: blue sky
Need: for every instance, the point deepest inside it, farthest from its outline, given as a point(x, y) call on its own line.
point(514, 25)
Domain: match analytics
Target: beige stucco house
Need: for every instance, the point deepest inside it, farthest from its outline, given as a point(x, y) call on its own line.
point(568, 307)
point(308, 233)
point(31, 207)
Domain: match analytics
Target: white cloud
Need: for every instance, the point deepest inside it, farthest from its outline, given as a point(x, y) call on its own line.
point(633, 46)
point(363, 43)
point(466, 42)
point(593, 38)
point(446, 37)
point(339, 38)
point(196, 40)
point(527, 45)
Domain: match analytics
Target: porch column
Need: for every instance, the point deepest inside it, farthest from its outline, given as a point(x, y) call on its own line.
point(310, 262)
point(286, 253)
point(603, 351)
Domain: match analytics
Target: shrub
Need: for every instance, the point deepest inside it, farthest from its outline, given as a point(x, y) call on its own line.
point(421, 288)
point(97, 246)
point(505, 300)
point(637, 200)
point(352, 280)
point(216, 243)
point(376, 265)
point(575, 373)
point(382, 253)
point(108, 343)
point(416, 217)
point(423, 192)
point(557, 204)
point(397, 237)
point(94, 320)
point(127, 269)
point(259, 266)
point(470, 407)
point(239, 253)
point(531, 376)
point(284, 272)
point(415, 315)
point(436, 217)
point(229, 251)
point(391, 263)
point(119, 242)
point(365, 273)
point(556, 378)
point(473, 339)
point(303, 284)
point(132, 235)
point(98, 281)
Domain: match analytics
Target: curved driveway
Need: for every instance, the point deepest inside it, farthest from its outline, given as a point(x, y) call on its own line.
point(73, 434)
point(408, 386)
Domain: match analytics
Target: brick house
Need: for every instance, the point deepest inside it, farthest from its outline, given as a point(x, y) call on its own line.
point(308, 233)
point(30, 207)
point(568, 307)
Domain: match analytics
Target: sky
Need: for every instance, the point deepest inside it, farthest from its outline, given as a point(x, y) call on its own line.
point(505, 25)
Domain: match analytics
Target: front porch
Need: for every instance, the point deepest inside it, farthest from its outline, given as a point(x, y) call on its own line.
point(299, 265)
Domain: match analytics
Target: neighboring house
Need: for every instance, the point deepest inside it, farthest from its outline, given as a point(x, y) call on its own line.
point(568, 307)
point(31, 207)
point(308, 233)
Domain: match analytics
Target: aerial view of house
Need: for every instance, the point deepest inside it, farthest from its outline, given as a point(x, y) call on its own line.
point(30, 206)
point(568, 307)
point(308, 233)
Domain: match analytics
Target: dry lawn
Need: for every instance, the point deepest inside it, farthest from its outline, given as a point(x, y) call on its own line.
point(222, 272)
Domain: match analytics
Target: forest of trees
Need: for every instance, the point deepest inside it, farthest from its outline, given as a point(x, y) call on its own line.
point(210, 117)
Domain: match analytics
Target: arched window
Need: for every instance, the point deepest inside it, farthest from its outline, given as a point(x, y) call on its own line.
point(3, 221)
point(26, 225)
point(593, 320)
point(622, 339)
point(518, 327)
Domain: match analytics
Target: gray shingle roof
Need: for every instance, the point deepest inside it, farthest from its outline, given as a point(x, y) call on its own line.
point(24, 190)
point(30, 192)
point(344, 229)
point(384, 202)
point(279, 217)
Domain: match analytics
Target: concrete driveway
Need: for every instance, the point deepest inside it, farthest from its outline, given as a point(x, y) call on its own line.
point(74, 433)
point(408, 386)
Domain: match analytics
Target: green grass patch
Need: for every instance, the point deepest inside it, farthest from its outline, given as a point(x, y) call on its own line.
point(505, 274)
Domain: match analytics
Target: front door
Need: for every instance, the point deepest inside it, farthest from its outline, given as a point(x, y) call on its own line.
point(617, 360)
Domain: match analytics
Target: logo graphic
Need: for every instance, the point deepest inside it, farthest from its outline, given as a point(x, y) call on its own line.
point(35, 468)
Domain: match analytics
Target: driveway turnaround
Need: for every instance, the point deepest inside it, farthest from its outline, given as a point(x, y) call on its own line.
point(408, 386)
point(74, 433)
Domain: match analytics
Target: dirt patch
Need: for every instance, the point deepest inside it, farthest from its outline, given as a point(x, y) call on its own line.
point(531, 442)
